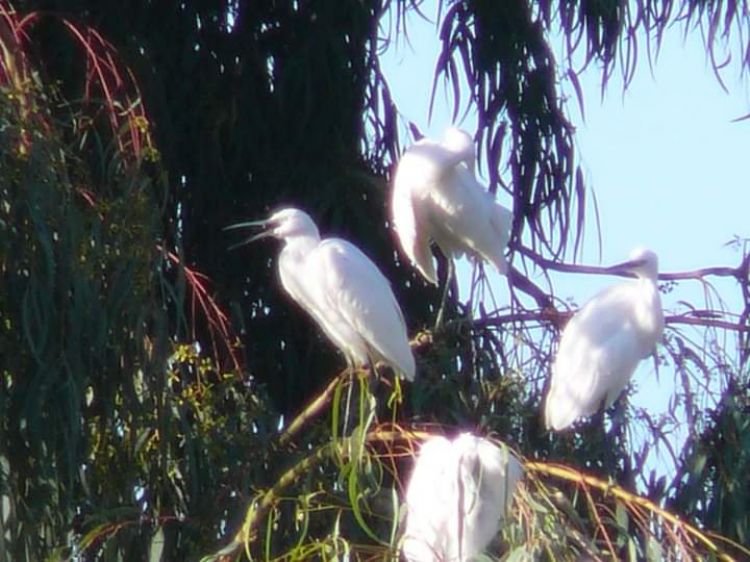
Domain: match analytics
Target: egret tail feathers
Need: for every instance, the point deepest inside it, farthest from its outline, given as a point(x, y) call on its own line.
point(405, 364)
point(500, 263)
point(502, 221)
point(560, 411)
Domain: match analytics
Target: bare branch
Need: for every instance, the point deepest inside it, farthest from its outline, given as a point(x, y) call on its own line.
point(740, 272)
point(559, 318)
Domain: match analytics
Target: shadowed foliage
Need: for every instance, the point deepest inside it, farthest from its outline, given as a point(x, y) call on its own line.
point(146, 373)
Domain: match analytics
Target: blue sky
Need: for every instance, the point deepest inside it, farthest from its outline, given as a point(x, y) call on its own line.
point(666, 163)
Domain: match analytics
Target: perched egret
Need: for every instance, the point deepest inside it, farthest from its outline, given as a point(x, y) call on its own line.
point(436, 197)
point(458, 494)
point(603, 343)
point(341, 288)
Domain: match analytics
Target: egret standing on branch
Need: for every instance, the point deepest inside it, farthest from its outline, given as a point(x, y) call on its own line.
point(437, 198)
point(457, 497)
point(603, 343)
point(341, 288)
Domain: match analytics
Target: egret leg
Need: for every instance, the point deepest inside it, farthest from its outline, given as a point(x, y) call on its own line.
point(366, 407)
point(375, 383)
point(347, 406)
point(370, 390)
point(444, 299)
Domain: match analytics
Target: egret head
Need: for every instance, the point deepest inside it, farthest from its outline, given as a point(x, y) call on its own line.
point(642, 263)
point(289, 222)
point(459, 141)
point(283, 224)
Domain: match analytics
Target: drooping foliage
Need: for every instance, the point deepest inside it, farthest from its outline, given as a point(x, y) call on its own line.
point(150, 379)
point(106, 415)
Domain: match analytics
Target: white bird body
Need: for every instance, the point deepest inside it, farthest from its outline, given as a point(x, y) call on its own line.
point(603, 343)
point(343, 290)
point(430, 497)
point(436, 197)
point(458, 495)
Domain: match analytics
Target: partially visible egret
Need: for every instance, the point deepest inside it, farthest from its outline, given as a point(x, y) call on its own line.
point(436, 197)
point(341, 288)
point(603, 343)
point(458, 494)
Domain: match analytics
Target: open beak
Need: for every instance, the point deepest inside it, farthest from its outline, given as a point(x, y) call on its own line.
point(263, 225)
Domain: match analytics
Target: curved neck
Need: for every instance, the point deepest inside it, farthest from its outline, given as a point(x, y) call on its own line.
point(300, 244)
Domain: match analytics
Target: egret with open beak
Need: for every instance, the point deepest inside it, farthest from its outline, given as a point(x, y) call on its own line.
point(341, 288)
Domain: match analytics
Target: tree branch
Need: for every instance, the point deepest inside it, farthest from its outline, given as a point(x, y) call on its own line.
point(740, 272)
point(559, 319)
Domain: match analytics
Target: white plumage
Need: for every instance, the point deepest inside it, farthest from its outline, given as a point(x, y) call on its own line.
point(603, 343)
point(457, 497)
point(342, 289)
point(436, 197)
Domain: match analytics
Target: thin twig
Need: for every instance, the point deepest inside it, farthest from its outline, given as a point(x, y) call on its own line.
point(313, 409)
point(559, 318)
point(317, 405)
point(740, 272)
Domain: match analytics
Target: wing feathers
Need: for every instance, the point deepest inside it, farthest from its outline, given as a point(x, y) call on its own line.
point(599, 350)
point(363, 298)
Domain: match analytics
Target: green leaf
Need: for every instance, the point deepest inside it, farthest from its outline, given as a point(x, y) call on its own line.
point(157, 545)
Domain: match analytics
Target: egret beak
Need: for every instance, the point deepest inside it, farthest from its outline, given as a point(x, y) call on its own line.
point(262, 224)
point(626, 266)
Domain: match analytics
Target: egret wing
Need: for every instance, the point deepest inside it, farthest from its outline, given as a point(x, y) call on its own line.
point(418, 170)
point(473, 221)
point(356, 289)
point(417, 204)
point(599, 350)
point(436, 196)
point(489, 475)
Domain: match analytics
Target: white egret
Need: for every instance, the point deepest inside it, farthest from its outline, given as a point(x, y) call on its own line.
point(341, 288)
point(603, 343)
point(457, 497)
point(436, 197)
